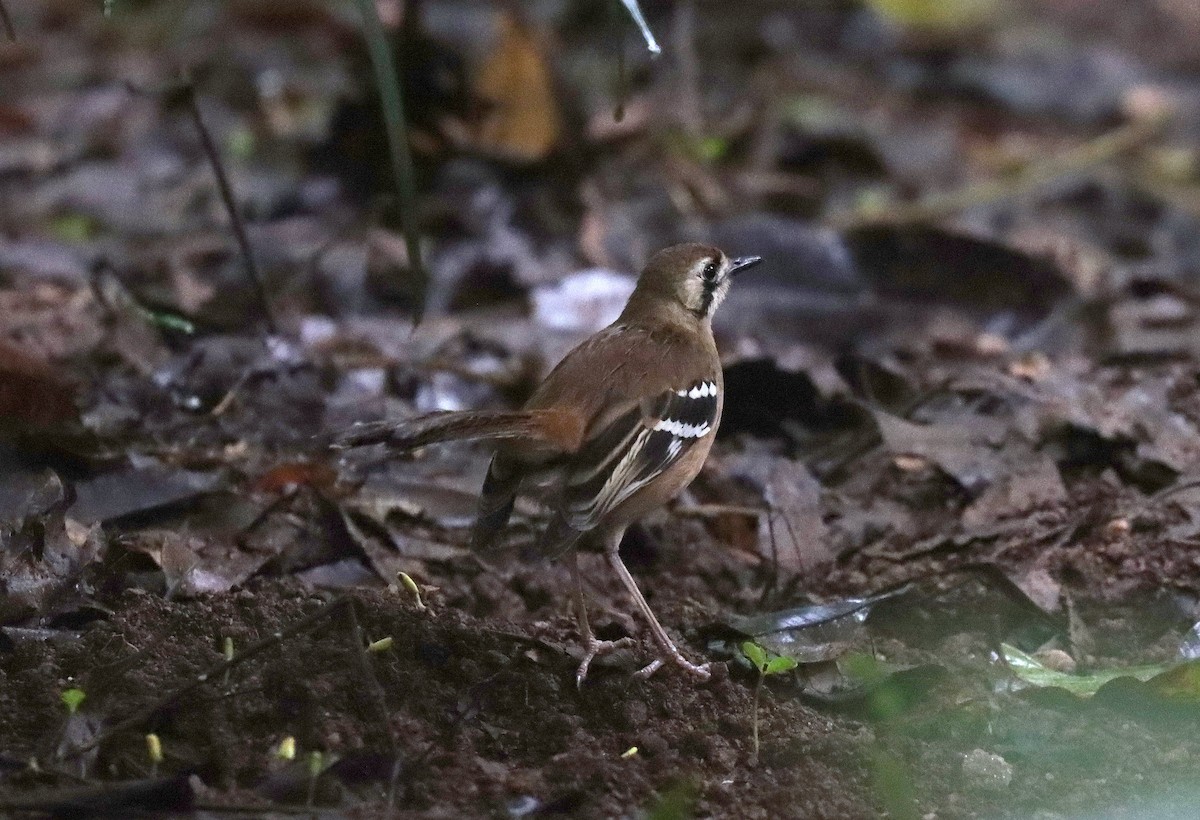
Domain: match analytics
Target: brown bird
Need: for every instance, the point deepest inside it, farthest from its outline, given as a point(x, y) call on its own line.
point(619, 427)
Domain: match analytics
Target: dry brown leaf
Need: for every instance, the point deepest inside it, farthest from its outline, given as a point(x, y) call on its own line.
point(522, 121)
point(32, 393)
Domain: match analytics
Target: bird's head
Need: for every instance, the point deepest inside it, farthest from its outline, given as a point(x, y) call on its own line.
point(691, 279)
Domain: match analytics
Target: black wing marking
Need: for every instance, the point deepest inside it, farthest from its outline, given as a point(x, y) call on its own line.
point(634, 450)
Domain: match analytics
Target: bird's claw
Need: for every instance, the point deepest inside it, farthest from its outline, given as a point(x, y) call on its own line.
point(700, 672)
point(593, 649)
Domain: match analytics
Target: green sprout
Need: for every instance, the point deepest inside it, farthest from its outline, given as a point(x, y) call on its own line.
point(765, 665)
point(286, 750)
point(316, 765)
point(411, 585)
point(154, 751)
point(227, 653)
point(72, 698)
point(381, 645)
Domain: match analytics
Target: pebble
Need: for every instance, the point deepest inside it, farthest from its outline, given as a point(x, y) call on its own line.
point(988, 771)
point(1056, 659)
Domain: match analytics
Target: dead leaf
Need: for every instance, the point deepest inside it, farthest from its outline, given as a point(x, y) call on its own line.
point(522, 121)
point(963, 448)
point(196, 564)
point(111, 495)
point(32, 393)
point(793, 534)
point(41, 564)
point(1034, 482)
point(1041, 588)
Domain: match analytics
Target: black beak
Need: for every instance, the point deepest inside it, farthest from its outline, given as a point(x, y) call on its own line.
point(741, 263)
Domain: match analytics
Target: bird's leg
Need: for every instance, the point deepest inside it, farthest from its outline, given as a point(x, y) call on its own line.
point(665, 644)
point(591, 646)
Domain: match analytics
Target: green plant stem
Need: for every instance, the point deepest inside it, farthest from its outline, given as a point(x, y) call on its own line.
point(757, 691)
point(383, 62)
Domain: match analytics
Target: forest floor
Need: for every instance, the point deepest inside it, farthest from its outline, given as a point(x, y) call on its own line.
point(957, 480)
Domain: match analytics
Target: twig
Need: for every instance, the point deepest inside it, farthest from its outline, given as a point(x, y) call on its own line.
point(377, 695)
point(639, 20)
point(9, 29)
point(188, 96)
point(719, 510)
point(144, 714)
point(936, 206)
point(383, 61)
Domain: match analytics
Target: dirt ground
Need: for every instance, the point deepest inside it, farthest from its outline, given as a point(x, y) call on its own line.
point(956, 481)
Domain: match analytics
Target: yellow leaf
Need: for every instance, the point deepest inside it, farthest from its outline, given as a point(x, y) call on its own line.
point(936, 15)
point(521, 121)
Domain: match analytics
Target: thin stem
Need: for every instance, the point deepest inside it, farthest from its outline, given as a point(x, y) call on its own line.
point(383, 61)
point(378, 696)
point(7, 22)
point(757, 691)
point(239, 229)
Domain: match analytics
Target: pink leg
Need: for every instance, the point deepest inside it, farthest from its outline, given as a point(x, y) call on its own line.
point(665, 645)
point(593, 648)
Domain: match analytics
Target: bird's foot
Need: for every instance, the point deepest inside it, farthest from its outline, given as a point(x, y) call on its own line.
point(700, 672)
point(593, 649)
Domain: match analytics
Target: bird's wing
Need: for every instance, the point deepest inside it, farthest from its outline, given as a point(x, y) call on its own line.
point(630, 452)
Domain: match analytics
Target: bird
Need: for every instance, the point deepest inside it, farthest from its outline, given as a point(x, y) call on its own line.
point(618, 428)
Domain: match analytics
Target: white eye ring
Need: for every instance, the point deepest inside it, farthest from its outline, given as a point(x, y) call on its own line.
point(710, 271)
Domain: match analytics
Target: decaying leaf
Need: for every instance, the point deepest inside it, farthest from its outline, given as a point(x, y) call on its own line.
point(33, 394)
point(792, 535)
point(810, 634)
point(522, 120)
point(44, 555)
point(196, 564)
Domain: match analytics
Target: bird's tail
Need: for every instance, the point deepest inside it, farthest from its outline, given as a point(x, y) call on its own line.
point(553, 429)
point(496, 501)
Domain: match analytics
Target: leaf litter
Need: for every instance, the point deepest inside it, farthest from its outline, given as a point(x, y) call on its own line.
point(981, 393)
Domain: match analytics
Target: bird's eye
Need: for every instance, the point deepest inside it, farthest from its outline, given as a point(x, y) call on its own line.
point(710, 271)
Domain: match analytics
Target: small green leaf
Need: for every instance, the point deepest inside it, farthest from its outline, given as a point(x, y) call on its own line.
point(863, 667)
point(167, 320)
point(72, 698)
point(778, 664)
point(73, 227)
point(240, 143)
point(755, 654)
point(710, 149)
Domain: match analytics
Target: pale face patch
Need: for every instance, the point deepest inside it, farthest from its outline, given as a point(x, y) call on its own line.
point(706, 284)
